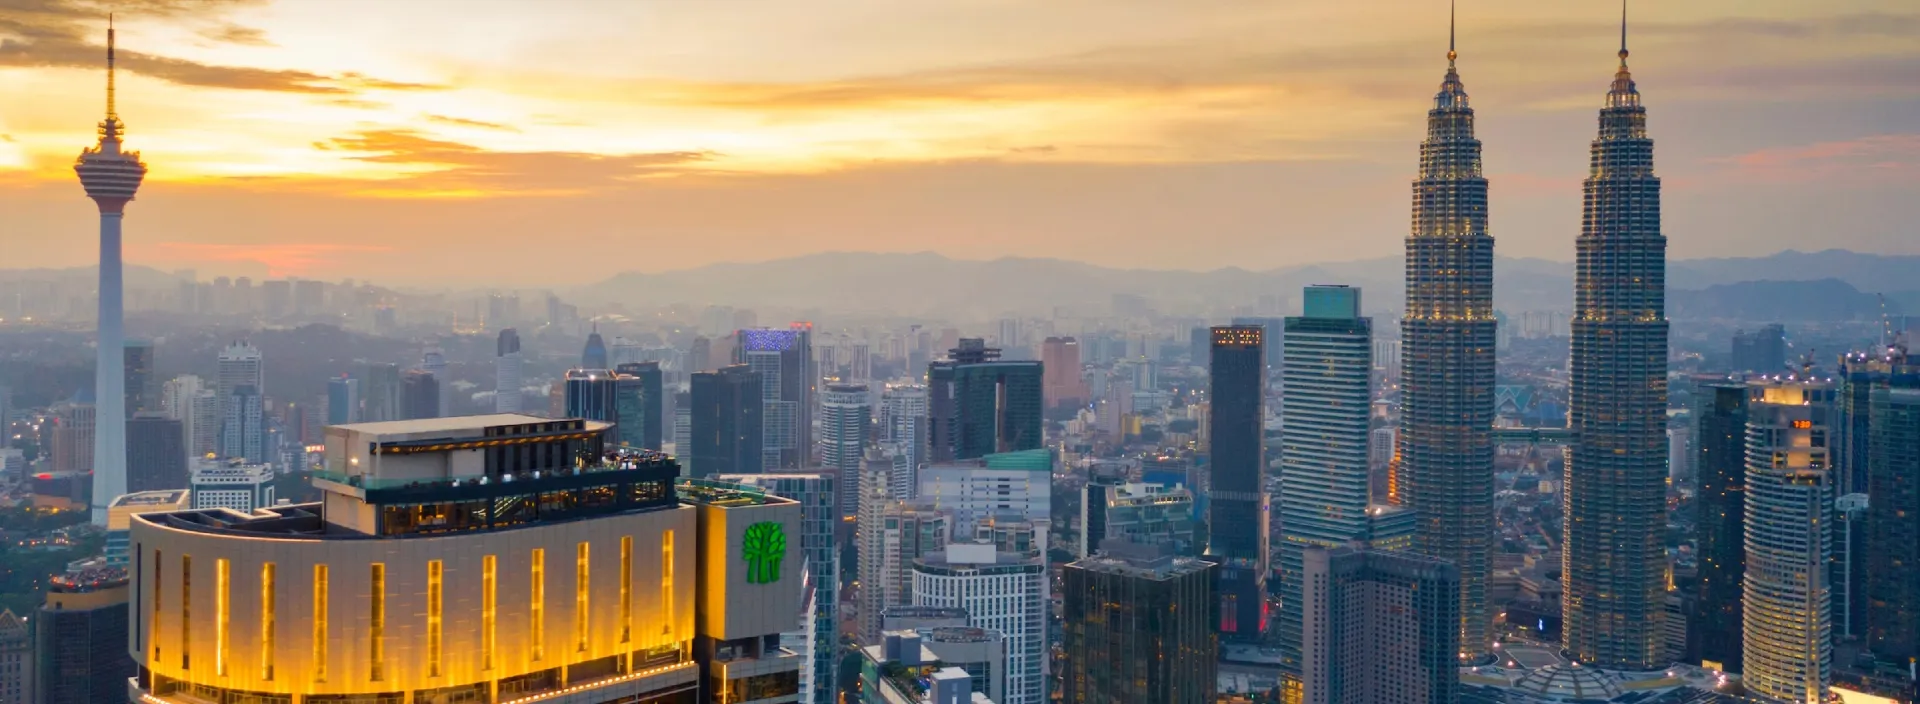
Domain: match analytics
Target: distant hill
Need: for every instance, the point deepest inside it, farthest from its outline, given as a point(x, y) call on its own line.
point(1784, 301)
point(930, 284)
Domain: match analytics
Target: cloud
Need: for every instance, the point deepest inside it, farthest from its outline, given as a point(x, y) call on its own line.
point(464, 122)
point(61, 34)
point(1875, 158)
point(455, 168)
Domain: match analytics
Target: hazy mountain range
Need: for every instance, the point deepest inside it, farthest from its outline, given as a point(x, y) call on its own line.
point(1790, 285)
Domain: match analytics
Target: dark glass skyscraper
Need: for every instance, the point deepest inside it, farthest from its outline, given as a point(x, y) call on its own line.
point(156, 453)
point(788, 382)
point(1893, 526)
point(1720, 412)
point(640, 405)
point(594, 355)
point(1137, 626)
point(1238, 508)
point(1445, 473)
point(982, 405)
point(419, 395)
point(1615, 556)
point(726, 420)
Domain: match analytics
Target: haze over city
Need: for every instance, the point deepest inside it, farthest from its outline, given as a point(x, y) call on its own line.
point(355, 138)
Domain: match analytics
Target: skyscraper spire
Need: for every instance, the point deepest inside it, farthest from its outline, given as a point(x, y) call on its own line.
point(1451, 54)
point(1623, 33)
point(112, 115)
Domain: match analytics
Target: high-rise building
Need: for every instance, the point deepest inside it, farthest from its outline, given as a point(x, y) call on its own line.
point(1326, 367)
point(238, 365)
point(1848, 575)
point(16, 659)
point(1615, 554)
point(110, 177)
point(380, 392)
point(683, 423)
point(972, 491)
point(156, 453)
point(1762, 351)
point(591, 576)
point(979, 404)
point(1788, 624)
point(1720, 511)
point(1064, 385)
point(1859, 374)
point(700, 355)
point(1380, 627)
point(589, 394)
point(640, 404)
point(1893, 526)
point(243, 432)
point(343, 400)
point(1238, 503)
point(784, 361)
point(507, 368)
point(434, 361)
point(419, 395)
point(845, 412)
point(186, 399)
point(1447, 340)
point(143, 388)
point(1136, 512)
point(75, 429)
point(233, 484)
point(1137, 627)
point(1002, 591)
point(892, 535)
point(725, 415)
point(1272, 328)
point(904, 419)
point(819, 517)
point(594, 355)
point(80, 635)
point(949, 664)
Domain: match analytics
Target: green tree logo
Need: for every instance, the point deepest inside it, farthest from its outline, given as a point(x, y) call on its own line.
point(764, 548)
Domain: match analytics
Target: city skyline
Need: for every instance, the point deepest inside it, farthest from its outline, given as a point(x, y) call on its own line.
point(978, 148)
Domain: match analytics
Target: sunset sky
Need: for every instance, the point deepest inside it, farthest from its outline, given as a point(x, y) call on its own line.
point(492, 142)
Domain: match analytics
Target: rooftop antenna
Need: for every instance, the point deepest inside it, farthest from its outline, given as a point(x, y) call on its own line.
point(1623, 32)
point(1451, 11)
point(110, 111)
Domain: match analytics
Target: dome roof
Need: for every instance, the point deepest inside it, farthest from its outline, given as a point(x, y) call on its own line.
point(1561, 683)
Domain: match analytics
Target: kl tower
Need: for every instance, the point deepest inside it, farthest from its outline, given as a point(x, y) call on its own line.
point(110, 176)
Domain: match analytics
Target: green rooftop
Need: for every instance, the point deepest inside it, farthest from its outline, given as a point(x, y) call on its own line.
point(1036, 460)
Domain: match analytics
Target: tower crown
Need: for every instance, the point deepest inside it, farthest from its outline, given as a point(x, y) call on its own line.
point(1453, 93)
point(1623, 94)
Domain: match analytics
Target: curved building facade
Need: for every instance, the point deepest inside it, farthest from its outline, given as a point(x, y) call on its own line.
point(509, 560)
point(1788, 621)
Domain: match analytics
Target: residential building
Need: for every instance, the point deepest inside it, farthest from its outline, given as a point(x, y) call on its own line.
point(74, 427)
point(1238, 504)
point(892, 536)
point(1138, 627)
point(1001, 591)
point(845, 412)
point(1380, 627)
point(243, 432)
point(904, 420)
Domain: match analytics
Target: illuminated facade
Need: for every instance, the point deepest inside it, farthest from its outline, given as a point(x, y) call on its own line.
point(1238, 503)
point(1788, 624)
point(1445, 445)
point(501, 558)
point(1615, 557)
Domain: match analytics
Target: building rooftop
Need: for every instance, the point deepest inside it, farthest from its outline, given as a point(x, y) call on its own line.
point(1146, 560)
point(169, 497)
point(447, 425)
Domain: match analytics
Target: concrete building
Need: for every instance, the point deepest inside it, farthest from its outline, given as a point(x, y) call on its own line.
point(1138, 512)
point(1239, 507)
point(120, 518)
point(233, 484)
point(1064, 385)
point(1138, 627)
point(902, 670)
point(1380, 627)
point(1788, 624)
point(243, 430)
point(1001, 591)
point(1011, 483)
point(892, 536)
point(16, 659)
point(903, 422)
point(819, 520)
point(185, 398)
point(483, 558)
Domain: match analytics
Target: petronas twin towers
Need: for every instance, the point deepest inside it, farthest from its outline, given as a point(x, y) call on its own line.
point(1615, 492)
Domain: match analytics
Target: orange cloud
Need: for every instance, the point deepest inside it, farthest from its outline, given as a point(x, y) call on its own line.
point(1874, 157)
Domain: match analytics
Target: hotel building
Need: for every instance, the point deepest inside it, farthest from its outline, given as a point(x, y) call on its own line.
point(501, 558)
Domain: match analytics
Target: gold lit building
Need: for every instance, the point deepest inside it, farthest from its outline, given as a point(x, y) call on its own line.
point(496, 559)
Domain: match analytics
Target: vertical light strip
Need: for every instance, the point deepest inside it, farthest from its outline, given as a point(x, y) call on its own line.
point(538, 629)
point(319, 623)
point(626, 589)
point(153, 626)
point(580, 597)
point(377, 622)
point(266, 622)
point(222, 616)
point(666, 583)
point(488, 594)
point(186, 612)
point(434, 568)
